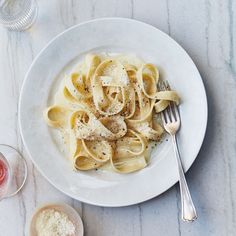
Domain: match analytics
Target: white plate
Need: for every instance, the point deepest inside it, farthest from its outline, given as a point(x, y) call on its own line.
point(112, 35)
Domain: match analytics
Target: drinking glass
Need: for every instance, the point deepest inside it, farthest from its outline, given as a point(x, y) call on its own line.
point(18, 14)
point(13, 171)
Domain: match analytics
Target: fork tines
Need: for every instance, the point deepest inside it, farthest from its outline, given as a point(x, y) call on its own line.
point(171, 113)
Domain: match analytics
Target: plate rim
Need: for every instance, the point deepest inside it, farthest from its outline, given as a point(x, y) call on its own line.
point(79, 198)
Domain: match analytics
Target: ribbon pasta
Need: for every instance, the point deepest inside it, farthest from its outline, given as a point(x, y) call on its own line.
point(107, 106)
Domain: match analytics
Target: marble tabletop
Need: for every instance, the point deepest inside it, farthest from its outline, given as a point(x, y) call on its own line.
point(207, 30)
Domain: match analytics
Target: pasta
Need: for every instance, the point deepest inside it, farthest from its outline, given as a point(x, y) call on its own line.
point(107, 106)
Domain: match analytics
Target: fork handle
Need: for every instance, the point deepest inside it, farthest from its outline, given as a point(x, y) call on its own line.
point(188, 210)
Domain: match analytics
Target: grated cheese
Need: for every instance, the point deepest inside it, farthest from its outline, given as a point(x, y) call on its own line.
point(54, 223)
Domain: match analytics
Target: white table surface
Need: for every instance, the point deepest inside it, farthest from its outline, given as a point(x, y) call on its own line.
point(207, 30)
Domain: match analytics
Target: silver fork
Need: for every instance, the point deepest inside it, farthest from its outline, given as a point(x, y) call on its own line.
point(171, 121)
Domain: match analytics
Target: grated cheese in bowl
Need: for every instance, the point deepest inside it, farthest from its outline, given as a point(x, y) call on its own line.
point(56, 220)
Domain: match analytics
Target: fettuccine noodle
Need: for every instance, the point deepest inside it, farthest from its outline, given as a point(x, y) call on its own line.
point(107, 106)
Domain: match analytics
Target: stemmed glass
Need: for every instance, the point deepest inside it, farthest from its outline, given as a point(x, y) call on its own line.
point(13, 171)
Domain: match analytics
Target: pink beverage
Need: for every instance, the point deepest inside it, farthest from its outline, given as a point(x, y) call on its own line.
point(13, 171)
point(4, 174)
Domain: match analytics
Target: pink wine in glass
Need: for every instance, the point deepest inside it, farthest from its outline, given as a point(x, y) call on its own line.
point(4, 174)
point(13, 171)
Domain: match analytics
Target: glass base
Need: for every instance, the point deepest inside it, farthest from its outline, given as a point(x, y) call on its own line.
point(21, 21)
point(16, 168)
